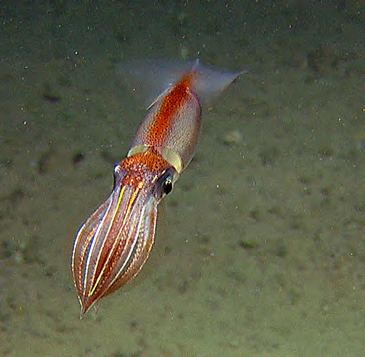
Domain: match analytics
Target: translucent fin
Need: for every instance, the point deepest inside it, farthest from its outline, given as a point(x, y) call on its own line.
point(151, 79)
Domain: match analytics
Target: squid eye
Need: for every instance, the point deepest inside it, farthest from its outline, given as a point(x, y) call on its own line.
point(165, 183)
point(167, 186)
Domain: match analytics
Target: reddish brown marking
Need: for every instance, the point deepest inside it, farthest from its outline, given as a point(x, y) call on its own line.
point(139, 164)
point(171, 103)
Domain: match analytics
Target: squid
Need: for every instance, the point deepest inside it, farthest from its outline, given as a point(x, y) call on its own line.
point(114, 243)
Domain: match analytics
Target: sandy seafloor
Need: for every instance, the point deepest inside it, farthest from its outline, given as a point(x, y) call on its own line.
point(261, 246)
